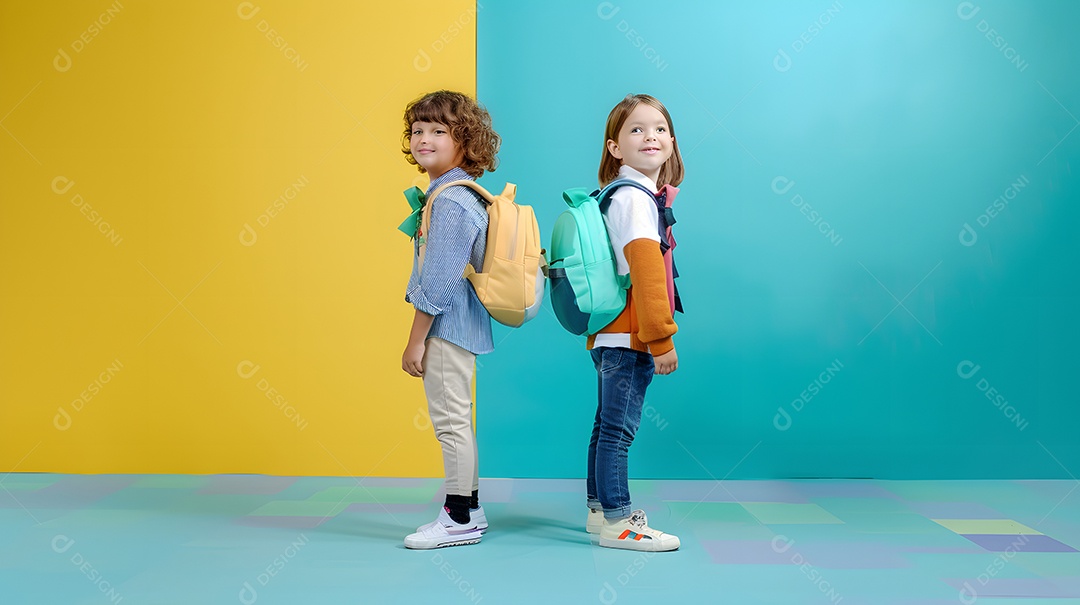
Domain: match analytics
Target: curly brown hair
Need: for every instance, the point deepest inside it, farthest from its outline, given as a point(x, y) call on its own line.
point(469, 124)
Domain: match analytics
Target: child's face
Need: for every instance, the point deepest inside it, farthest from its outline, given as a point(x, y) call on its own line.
point(644, 141)
point(434, 149)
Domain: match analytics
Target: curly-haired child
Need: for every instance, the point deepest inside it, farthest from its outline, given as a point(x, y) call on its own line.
point(449, 136)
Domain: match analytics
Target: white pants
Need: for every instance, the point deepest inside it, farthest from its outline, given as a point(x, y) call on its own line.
point(448, 374)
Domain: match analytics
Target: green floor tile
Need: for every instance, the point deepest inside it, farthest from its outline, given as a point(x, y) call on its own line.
point(172, 481)
point(776, 513)
point(380, 495)
point(1048, 564)
point(891, 523)
point(838, 506)
point(709, 512)
point(1005, 527)
point(300, 508)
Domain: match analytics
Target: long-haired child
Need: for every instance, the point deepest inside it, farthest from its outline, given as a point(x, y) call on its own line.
point(639, 144)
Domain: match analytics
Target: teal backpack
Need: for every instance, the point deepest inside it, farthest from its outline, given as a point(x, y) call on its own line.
point(587, 293)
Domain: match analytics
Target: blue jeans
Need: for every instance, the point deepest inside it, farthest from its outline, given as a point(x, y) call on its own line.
point(623, 376)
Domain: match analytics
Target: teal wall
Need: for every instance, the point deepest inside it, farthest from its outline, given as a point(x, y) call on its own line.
point(834, 154)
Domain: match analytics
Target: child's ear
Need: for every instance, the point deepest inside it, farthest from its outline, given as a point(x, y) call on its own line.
point(613, 149)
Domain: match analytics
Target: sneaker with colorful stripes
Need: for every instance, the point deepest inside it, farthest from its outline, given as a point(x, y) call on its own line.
point(634, 533)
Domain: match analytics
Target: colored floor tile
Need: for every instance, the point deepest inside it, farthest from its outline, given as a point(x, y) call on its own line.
point(986, 526)
point(363, 493)
point(956, 510)
point(772, 513)
point(1018, 543)
point(285, 508)
point(248, 539)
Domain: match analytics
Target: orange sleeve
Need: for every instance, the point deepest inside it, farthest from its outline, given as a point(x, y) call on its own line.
point(649, 278)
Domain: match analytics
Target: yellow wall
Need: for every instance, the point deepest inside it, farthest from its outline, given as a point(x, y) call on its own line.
point(199, 205)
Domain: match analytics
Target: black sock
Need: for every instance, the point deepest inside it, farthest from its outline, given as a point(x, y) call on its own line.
point(474, 502)
point(458, 508)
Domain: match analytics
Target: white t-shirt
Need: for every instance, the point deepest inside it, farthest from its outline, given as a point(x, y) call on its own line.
point(631, 215)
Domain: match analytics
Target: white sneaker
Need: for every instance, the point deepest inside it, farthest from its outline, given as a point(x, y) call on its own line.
point(595, 521)
point(476, 515)
point(634, 533)
point(444, 532)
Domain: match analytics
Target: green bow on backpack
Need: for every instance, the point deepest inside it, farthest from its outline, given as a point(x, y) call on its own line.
point(416, 202)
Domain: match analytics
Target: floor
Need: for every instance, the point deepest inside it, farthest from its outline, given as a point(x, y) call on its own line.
point(164, 539)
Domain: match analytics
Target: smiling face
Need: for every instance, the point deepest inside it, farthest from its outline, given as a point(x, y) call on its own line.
point(644, 142)
point(434, 149)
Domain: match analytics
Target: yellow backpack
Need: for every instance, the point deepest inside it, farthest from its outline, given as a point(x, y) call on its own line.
point(511, 282)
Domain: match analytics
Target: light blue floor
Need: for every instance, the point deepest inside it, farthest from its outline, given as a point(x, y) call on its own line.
point(164, 539)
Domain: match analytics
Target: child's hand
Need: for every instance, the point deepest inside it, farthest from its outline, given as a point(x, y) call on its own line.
point(412, 360)
point(666, 363)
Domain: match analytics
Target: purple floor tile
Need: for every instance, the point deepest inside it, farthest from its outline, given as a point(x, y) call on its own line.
point(1018, 543)
point(1070, 584)
point(747, 552)
point(732, 491)
point(295, 522)
point(549, 485)
point(984, 586)
point(945, 550)
point(407, 483)
point(914, 602)
point(246, 485)
point(1052, 489)
point(376, 508)
point(852, 555)
point(844, 489)
point(504, 490)
point(688, 491)
point(500, 490)
point(955, 510)
point(71, 492)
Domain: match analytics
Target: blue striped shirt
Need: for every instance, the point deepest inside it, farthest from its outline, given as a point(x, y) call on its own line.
point(456, 237)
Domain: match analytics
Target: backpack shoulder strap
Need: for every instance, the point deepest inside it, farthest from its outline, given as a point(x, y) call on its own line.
point(603, 196)
point(485, 195)
point(425, 214)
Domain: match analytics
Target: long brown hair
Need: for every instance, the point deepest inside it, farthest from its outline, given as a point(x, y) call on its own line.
point(469, 124)
point(671, 173)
